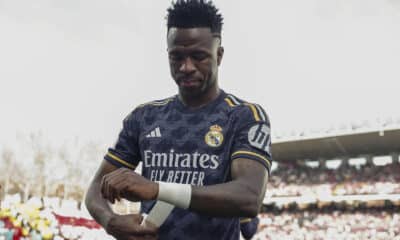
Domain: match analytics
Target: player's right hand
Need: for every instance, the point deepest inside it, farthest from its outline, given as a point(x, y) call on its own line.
point(127, 227)
point(125, 183)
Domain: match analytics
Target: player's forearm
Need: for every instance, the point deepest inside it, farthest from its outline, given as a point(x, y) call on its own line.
point(98, 206)
point(241, 197)
point(232, 199)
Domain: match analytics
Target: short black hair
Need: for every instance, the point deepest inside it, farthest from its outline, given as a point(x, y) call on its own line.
point(195, 13)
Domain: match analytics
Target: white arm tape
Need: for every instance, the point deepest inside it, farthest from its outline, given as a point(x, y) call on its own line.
point(158, 213)
point(176, 194)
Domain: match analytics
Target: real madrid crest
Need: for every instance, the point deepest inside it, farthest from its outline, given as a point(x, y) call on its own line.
point(214, 137)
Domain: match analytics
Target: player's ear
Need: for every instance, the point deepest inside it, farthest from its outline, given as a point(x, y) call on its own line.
point(220, 54)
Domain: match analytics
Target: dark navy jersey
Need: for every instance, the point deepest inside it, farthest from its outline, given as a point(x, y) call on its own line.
point(248, 227)
point(197, 147)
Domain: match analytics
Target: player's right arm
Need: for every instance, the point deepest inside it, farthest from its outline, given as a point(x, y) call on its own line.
point(120, 226)
point(97, 206)
point(123, 156)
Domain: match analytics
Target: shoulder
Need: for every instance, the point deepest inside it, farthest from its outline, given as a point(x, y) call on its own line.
point(156, 103)
point(143, 108)
point(245, 110)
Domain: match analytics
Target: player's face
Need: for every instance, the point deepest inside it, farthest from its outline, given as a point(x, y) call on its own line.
point(194, 56)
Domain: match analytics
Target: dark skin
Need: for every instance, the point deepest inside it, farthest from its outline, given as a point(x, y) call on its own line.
point(241, 197)
point(194, 57)
point(122, 227)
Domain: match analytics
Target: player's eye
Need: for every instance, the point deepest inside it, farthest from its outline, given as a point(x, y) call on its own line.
point(199, 56)
point(176, 56)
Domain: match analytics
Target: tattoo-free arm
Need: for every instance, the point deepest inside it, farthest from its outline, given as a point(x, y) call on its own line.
point(241, 197)
point(127, 226)
point(98, 206)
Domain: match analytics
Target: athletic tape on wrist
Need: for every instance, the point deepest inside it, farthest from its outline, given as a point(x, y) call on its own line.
point(176, 194)
point(158, 214)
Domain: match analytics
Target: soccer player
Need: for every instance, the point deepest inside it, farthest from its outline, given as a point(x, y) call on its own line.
point(203, 150)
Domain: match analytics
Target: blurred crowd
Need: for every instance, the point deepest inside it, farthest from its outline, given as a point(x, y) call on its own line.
point(34, 221)
point(291, 180)
point(376, 224)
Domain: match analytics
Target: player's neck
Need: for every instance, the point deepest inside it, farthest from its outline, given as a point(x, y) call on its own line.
point(195, 102)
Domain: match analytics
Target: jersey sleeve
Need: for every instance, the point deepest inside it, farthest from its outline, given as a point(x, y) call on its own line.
point(126, 152)
point(252, 139)
point(248, 227)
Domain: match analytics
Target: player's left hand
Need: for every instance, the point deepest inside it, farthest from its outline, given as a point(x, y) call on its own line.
point(129, 227)
point(125, 183)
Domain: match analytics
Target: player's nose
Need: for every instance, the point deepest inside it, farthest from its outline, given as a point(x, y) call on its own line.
point(187, 66)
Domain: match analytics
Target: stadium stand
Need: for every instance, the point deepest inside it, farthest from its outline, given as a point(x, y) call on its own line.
point(377, 224)
point(358, 197)
point(292, 180)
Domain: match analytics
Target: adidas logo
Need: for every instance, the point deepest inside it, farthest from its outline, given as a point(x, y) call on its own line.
point(154, 133)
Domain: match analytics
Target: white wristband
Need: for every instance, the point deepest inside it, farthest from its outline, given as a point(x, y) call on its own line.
point(176, 194)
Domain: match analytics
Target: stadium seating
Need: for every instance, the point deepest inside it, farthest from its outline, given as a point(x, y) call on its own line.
point(374, 224)
point(292, 180)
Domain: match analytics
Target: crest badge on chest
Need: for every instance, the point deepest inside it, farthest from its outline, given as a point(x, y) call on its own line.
point(214, 137)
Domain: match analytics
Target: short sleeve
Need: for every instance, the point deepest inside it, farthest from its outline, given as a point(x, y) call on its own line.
point(126, 152)
point(252, 138)
point(248, 227)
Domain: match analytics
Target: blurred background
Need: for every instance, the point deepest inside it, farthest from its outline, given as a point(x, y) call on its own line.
point(325, 71)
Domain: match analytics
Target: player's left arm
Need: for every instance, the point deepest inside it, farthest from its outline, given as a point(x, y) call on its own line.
point(250, 167)
point(243, 196)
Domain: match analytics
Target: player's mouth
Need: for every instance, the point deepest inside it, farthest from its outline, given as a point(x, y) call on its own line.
point(189, 82)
